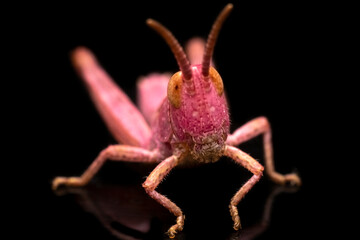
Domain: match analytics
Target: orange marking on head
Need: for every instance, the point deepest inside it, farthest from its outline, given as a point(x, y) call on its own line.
point(216, 80)
point(174, 90)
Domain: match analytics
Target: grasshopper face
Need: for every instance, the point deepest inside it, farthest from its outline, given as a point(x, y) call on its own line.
point(198, 113)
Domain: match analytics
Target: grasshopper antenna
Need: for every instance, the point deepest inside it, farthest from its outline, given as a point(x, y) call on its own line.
point(175, 47)
point(213, 35)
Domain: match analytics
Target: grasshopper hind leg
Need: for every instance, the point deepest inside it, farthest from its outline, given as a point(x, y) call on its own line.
point(151, 92)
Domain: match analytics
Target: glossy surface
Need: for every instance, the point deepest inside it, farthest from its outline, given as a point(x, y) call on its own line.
point(275, 74)
point(117, 207)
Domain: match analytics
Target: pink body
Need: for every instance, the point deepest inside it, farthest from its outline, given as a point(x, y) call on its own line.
point(182, 118)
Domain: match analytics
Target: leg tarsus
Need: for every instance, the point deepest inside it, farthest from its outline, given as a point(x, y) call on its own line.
point(179, 226)
point(291, 179)
point(67, 181)
point(167, 203)
point(235, 217)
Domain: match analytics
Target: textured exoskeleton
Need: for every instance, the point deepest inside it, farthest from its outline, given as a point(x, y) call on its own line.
point(182, 118)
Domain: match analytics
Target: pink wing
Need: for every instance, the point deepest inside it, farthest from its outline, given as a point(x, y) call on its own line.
point(151, 92)
point(121, 116)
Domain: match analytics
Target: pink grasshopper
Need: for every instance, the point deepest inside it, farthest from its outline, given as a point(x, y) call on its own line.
point(190, 124)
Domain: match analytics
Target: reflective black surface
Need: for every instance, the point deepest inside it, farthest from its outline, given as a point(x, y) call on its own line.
point(273, 60)
point(126, 212)
point(114, 206)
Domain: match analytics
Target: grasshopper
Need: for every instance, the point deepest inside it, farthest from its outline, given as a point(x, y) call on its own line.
point(181, 120)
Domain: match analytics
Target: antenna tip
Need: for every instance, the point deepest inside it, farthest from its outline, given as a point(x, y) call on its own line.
point(229, 6)
point(82, 57)
point(150, 21)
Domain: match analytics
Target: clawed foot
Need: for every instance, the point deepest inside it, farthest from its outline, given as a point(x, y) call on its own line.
point(235, 217)
point(292, 179)
point(66, 181)
point(177, 227)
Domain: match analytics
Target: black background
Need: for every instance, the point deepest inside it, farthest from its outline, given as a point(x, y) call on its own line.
point(275, 61)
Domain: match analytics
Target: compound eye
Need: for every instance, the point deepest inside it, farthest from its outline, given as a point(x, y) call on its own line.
point(174, 89)
point(216, 80)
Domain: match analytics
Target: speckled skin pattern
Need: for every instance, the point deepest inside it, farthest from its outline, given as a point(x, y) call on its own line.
point(200, 124)
point(180, 121)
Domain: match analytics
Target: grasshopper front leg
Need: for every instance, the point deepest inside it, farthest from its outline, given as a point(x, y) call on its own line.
point(254, 167)
point(153, 180)
point(113, 152)
point(252, 129)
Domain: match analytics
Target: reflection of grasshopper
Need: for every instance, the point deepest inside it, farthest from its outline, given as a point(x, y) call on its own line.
point(257, 229)
point(191, 124)
point(125, 211)
point(130, 214)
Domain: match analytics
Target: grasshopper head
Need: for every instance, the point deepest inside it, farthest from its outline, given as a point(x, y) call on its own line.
point(199, 113)
point(198, 108)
